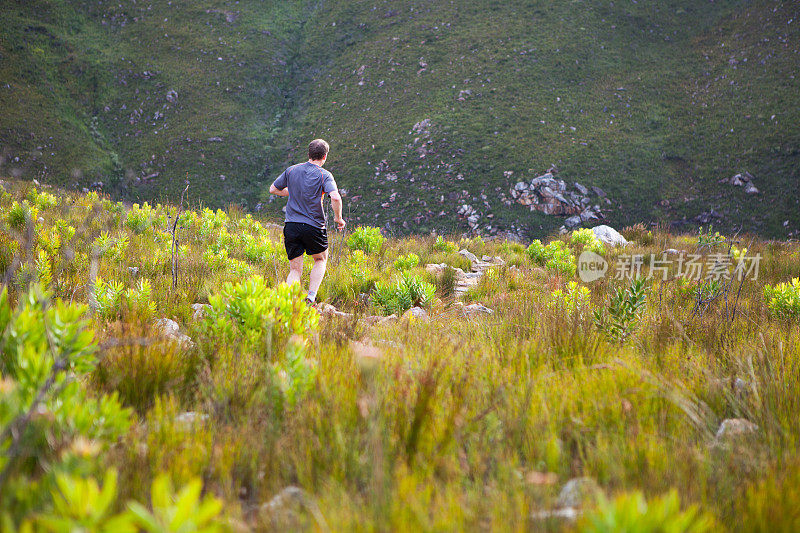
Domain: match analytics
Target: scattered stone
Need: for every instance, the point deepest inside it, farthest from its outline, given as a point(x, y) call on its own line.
point(386, 320)
point(285, 508)
point(436, 268)
point(463, 95)
point(329, 310)
point(578, 492)
point(568, 513)
point(416, 313)
point(581, 189)
point(608, 235)
point(707, 217)
point(469, 255)
point(572, 222)
point(199, 311)
point(188, 419)
point(172, 96)
point(733, 429)
point(598, 191)
point(170, 330)
point(750, 189)
point(477, 309)
point(541, 478)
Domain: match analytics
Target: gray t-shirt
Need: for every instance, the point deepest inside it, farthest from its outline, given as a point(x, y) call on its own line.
point(307, 184)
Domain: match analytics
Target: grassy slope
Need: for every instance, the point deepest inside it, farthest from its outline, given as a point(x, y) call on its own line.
point(659, 110)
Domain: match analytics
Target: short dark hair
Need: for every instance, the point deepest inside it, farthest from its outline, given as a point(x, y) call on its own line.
point(317, 149)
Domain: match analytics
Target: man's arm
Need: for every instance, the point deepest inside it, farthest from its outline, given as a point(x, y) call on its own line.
point(336, 204)
point(278, 192)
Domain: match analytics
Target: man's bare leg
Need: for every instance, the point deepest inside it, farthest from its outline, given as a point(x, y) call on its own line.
point(317, 273)
point(295, 270)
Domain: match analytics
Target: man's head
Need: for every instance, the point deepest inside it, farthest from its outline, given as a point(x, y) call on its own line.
point(318, 150)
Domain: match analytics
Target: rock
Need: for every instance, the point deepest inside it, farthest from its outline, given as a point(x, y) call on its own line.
point(598, 191)
point(167, 326)
point(749, 188)
point(707, 217)
point(608, 235)
point(284, 508)
point(734, 428)
point(365, 350)
point(370, 320)
point(134, 271)
point(199, 311)
point(436, 268)
point(581, 189)
point(578, 492)
point(477, 309)
point(172, 96)
point(188, 419)
point(387, 320)
point(567, 513)
point(572, 222)
point(416, 313)
point(469, 255)
point(329, 310)
point(170, 330)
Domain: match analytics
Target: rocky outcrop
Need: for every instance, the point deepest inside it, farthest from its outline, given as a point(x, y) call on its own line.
point(608, 235)
point(744, 179)
point(552, 196)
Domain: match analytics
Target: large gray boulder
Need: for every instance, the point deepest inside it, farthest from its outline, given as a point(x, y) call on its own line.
point(608, 235)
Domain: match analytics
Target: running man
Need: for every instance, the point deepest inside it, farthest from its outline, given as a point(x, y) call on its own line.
point(304, 231)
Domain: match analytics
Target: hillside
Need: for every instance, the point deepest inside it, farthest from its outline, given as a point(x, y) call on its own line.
point(653, 102)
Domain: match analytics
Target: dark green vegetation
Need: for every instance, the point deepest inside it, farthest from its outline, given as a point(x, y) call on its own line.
point(652, 101)
point(287, 420)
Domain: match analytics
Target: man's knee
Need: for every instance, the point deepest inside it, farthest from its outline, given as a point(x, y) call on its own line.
point(320, 257)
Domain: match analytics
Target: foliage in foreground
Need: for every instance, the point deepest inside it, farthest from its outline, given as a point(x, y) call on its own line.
point(466, 421)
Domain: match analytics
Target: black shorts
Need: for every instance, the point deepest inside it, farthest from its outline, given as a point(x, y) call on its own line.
point(299, 238)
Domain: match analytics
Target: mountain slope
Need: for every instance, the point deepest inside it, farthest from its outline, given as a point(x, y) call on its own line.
point(652, 102)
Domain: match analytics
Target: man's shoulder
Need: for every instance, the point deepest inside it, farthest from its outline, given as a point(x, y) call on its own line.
point(293, 167)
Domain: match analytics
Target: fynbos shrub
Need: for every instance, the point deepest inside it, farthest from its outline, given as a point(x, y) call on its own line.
point(367, 239)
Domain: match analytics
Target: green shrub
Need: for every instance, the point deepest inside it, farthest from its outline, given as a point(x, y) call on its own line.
point(783, 299)
point(81, 505)
point(573, 299)
point(294, 375)
point(442, 245)
point(406, 262)
point(20, 214)
point(555, 256)
point(588, 240)
point(257, 316)
point(46, 341)
point(185, 510)
point(366, 239)
point(139, 218)
point(624, 311)
point(407, 292)
point(632, 513)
